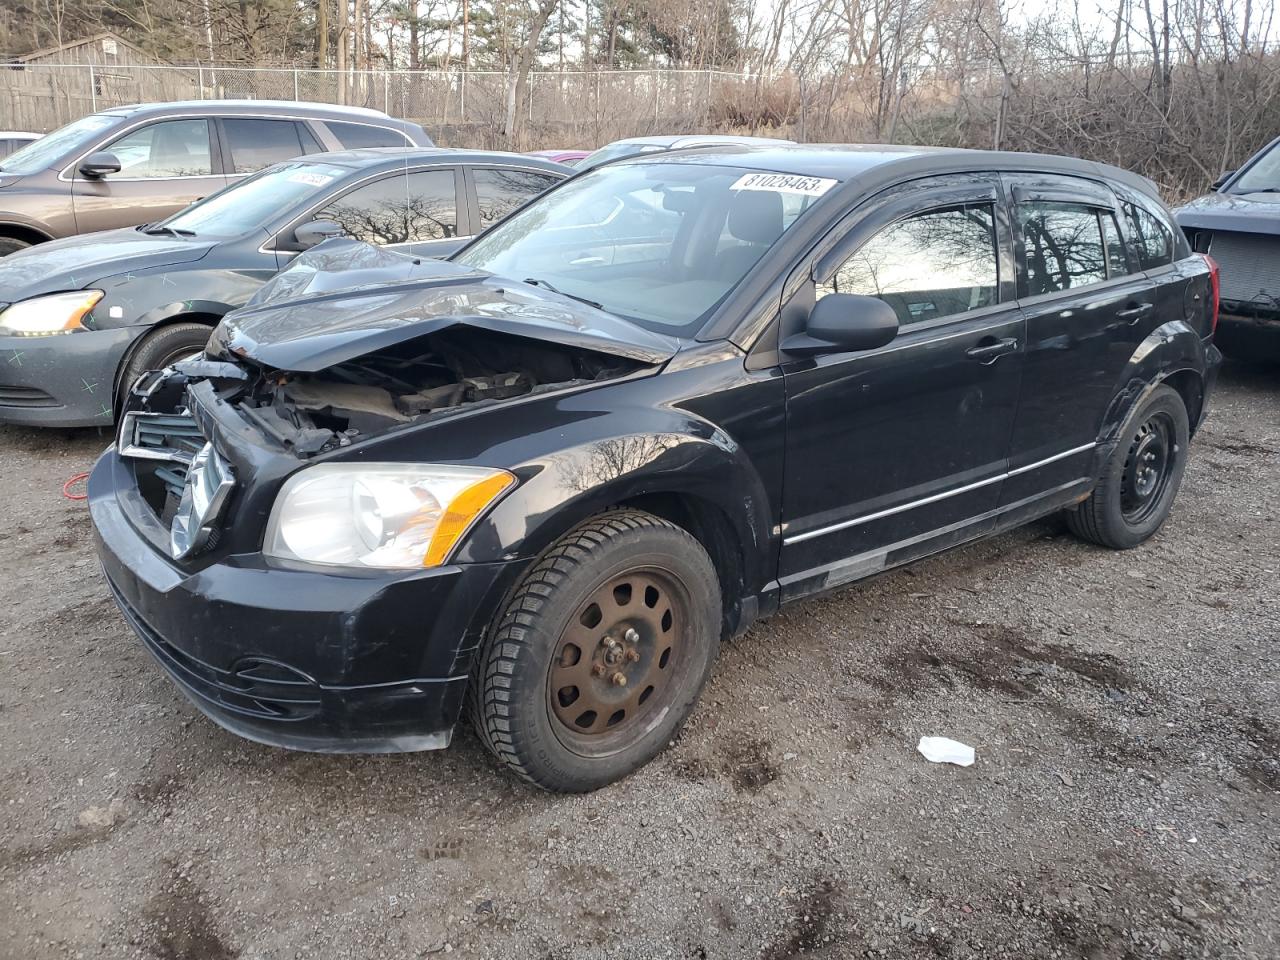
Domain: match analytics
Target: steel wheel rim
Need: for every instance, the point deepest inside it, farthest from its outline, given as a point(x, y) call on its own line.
point(632, 626)
point(1148, 467)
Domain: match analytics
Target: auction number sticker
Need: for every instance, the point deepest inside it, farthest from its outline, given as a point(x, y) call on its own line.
point(310, 179)
point(784, 183)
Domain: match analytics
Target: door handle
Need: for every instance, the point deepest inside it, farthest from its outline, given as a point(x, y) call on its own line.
point(1132, 314)
point(990, 350)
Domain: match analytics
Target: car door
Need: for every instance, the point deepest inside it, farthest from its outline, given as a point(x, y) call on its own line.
point(1087, 308)
point(251, 143)
point(164, 166)
point(895, 452)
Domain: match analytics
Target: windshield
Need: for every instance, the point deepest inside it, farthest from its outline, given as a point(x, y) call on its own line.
point(47, 151)
point(1263, 174)
point(615, 151)
point(250, 204)
point(657, 243)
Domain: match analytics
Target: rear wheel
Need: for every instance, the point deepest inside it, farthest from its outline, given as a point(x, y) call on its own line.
point(600, 654)
point(1141, 476)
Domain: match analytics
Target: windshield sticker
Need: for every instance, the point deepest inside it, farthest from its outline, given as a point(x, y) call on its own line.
point(784, 183)
point(310, 179)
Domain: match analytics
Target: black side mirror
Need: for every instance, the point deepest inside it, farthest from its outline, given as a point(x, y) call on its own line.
point(98, 165)
point(1222, 178)
point(843, 323)
point(317, 231)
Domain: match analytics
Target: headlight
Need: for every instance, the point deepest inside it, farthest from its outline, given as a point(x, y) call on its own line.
point(388, 515)
point(44, 316)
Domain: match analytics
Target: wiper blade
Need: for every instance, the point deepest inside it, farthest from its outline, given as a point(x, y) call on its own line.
point(159, 230)
point(572, 296)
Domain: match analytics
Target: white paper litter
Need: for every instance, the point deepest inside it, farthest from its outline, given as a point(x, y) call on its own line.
point(943, 750)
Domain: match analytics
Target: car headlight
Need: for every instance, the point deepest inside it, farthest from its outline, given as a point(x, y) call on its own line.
point(45, 316)
point(386, 515)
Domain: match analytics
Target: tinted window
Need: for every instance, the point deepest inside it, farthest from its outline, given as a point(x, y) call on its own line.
point(255, 144)
point(309, 142)
point(356, 135)
point(932, 265)
point(398, 209)
point(498, 192)
point(1117, 261)
point(1062, 246)
point(433, 205)
point(1152, 241)
point(172, 148)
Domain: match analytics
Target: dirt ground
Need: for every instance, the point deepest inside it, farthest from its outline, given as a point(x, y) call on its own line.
point(1124, 804)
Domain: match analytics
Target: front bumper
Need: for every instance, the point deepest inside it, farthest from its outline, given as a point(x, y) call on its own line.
point(330, 662)
point(62, 381)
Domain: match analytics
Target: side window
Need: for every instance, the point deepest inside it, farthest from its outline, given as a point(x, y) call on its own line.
point(1117, 260)
point(309, 142)
point(256, 143)
point(1062, 246)
point(931, 265)
point(498, 192)
point(374, 213)
point(355, 135)
point(171, 148)
point(432, 205)
point(1152, 241)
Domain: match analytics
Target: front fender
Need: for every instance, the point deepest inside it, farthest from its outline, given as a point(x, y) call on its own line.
point(674, 454)
point(1171, 348)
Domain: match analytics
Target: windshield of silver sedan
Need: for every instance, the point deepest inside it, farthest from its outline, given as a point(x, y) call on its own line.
point(659, 243)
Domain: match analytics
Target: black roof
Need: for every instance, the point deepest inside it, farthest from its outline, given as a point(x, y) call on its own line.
point(884, 162)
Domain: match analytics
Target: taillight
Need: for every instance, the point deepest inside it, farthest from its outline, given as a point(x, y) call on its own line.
point(1216, 289)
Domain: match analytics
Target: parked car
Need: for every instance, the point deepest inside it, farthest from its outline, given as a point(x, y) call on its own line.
point(131, 165)
point(568, 157)
point(548, 475)
point(11, 140)
point(139, 298)
point(1238, 224)
point(636, 146)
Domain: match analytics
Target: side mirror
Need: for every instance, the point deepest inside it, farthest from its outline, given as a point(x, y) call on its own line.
point(98, 165)
point(843, 323)
point(317, 231)
point(1222, 178)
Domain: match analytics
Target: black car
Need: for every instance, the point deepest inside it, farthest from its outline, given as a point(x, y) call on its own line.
point(1238, 225)
point(137, 298)
point(548, 475)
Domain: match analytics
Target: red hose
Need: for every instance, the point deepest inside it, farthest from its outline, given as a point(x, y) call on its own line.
point(66, 487)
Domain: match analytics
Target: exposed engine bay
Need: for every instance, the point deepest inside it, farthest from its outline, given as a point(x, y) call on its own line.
point(429, 376)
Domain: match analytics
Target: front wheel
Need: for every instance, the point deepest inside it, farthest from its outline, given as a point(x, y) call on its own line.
point(1141, 476)
point(600, 654)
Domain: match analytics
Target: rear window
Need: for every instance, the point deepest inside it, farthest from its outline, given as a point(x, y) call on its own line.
point(498, 192)
point(1150, 238)
point(353, 136)
point(1062, 246)
point(255, 143)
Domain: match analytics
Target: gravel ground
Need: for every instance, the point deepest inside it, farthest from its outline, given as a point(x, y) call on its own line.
point(1124, 708)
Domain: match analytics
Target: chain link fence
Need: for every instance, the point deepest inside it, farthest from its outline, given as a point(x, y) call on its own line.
point(581, 107)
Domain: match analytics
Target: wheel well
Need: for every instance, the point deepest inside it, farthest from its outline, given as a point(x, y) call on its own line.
point(711, 527)
point(1191, 388)
point(209, 319)
point(16, 231)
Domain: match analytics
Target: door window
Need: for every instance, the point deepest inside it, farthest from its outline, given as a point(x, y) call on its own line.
point(932, 265)
point(172, 148)
point(498, 192)
point(432, 206)
point(1062, 246)
point(255, 143)
point(355, 135)
point(1117, 259)
point(1152, 241)
point(398, 209)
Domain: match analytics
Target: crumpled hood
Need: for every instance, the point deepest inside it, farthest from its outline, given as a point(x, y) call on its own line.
point(345, 299)
point(1243, 213)
point(78, 262)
